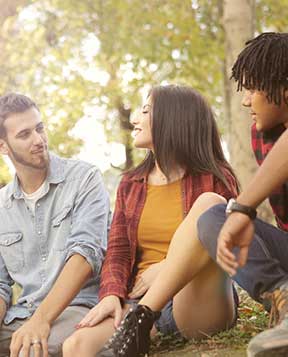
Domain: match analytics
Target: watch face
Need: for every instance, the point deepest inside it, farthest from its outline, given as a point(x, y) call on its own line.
point(230, 205)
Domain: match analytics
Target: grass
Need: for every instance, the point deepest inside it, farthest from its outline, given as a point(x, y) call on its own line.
point(252, 320)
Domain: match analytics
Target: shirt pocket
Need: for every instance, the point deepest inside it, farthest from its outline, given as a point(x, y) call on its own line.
point(11, 249)
point(61, 223)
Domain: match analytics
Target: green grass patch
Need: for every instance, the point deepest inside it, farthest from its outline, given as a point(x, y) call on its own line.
point(252, 320)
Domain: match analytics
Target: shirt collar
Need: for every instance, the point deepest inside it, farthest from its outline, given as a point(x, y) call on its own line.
point(56, 172)
point(139, 178)
point(55, 176)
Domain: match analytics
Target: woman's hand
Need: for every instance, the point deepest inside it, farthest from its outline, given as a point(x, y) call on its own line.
point(145, 280)
point(110, 306)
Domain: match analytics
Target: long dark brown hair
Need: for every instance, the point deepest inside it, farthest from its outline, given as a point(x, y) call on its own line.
point(184, 134)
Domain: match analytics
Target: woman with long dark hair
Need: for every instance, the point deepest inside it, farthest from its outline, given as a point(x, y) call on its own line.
point(154, 232)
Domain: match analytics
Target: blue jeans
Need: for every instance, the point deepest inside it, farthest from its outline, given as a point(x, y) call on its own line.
point(267, 264)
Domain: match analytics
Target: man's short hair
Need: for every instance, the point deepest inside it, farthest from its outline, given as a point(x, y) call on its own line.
point(12, 103)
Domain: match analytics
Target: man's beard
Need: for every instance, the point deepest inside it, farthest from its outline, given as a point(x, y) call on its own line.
point(18, 158)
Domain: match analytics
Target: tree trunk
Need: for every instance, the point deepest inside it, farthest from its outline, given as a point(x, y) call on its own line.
point(238, 23)
point(126, 129)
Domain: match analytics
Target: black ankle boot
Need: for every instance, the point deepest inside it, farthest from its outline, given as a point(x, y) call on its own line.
point(132, 337)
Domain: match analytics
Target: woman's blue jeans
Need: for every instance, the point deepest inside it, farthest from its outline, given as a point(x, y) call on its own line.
point(267, 264)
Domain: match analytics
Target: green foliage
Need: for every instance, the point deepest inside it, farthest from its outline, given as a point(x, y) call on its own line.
point(4, 173)
point(272, 15)
point(251, 321)
point(132, 45)
point(178, 43)
point(31, 65)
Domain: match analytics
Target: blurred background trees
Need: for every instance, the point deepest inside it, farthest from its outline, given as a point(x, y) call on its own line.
point(77, 59)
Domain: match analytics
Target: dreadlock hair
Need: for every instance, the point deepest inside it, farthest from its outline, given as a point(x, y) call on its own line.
point(263, 65)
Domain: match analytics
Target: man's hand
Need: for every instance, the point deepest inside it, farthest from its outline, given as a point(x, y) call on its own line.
point(238, 232)
point(145, 280)
point(110, 306)
point(32, 335)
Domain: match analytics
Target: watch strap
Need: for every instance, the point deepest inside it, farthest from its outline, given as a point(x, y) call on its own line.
point(234, 206)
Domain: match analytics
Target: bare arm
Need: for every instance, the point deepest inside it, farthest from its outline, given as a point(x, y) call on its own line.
point(2, 310)
point(65, 288)
point(238, 230)
point(59, 297)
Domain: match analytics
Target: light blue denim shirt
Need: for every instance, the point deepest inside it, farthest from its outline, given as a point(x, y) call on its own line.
point(71, 217)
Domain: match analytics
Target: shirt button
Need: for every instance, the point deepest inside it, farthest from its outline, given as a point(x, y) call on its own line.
point(38, 204)
point(39, 232)
point(30, 304)
point(43, 258)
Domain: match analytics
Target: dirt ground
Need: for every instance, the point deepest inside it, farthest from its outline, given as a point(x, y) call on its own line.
point(190, 352)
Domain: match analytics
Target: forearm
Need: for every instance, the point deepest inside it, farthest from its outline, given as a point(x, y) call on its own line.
point(2, 310)
point(73, 276)
point(271, 174)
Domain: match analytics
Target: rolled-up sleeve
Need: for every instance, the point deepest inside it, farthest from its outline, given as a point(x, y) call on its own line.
point(90, 221)
point(5, 283)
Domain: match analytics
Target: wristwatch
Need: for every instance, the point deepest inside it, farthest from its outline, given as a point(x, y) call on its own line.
point(234, 206)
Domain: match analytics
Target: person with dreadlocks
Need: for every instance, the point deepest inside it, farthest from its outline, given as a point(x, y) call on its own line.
point(262, 70)
point(253, 252)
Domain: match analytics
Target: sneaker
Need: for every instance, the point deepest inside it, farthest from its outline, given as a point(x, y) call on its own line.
point(273, 342)
point(132, 337)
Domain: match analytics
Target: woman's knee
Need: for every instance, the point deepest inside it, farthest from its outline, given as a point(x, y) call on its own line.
point(207, 200)
point(73, 345)
point(87, 341)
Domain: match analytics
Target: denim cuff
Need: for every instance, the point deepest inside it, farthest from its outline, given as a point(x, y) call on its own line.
point(90, 255)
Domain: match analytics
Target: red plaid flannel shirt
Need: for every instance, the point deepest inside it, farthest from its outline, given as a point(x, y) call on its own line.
point(119, 268)
point(262, 143)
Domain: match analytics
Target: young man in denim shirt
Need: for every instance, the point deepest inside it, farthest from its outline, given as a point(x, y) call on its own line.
point(53, 232)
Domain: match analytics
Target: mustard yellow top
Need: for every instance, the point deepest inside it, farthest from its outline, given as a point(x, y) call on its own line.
point(161, 215)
